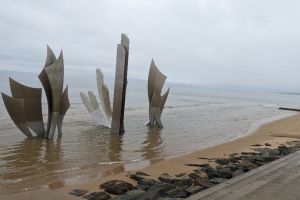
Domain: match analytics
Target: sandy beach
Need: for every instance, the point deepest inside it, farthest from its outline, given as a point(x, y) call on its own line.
point(275, 133)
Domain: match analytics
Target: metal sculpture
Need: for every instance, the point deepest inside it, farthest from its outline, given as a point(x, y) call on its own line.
point(156, 81)
point(101, 114)
point(25, 108)
point(104, 114)
point(117, 123)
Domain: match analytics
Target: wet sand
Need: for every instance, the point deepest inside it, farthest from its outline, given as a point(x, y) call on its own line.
point(274, 133)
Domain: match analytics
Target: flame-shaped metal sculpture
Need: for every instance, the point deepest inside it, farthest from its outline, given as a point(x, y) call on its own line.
point(104, 114)
point(156, 81)
point(25, 107)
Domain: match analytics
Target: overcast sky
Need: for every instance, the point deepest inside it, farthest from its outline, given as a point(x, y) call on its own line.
point(226, 42)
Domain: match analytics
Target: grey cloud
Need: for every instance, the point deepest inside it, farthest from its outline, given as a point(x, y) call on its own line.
point(252, 43)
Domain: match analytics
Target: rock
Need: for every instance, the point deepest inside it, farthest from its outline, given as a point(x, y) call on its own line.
point(141, 174)
point(232, 155)
point(222, 161)
point(195, 175)
point(178, 193)
point(130, 195)
point(217, 180)
point(135, 192)
point(205, 183)
point(117, 187)
point(234, 166)
point(97, 196)
point(255, 145)
point(146, 184)
point(180, 174)
point(269, 157)
point(238, 172)
point(247, 165)
point(135, 177)
point(194, 189)
point(166, 178)
point(78, 192)
point(267, 144)
point(225, 173)
point(259, 158)
point(211, 172)
point(153, 193)
point(197, 165)
point(284, 150)
point(267, 150)
point(183, 181)
point(167, 198)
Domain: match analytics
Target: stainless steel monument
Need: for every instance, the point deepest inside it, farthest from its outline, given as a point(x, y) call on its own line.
point(102, 113)
point(25, 108)
point(105, 115)
point(156, 81)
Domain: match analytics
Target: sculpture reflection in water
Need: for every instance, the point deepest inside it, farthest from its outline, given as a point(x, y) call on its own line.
point(153, 147)
point(103, 114)
point(29, 160)
point(156, 81)
point(103, 148)
point(25, 107)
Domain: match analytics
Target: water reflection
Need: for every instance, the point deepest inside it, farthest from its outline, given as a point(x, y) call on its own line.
point(104, 149)
point(153, 146)
point(31, 159)
point(104, 146)
point(116, 142)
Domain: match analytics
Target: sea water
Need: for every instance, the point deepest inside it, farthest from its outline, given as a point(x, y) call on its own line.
point(195, 117)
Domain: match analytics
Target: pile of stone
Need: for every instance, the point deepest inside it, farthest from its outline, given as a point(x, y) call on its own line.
point(185, 184)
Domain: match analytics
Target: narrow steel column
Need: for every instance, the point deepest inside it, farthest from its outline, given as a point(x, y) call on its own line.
point(117, 124)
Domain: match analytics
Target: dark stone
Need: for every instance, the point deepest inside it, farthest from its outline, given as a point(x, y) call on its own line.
point(232, 155)
point(284, 150)
point(197, 165)
point(222, 161)
point(130, 195)
point(183, 181)
point(194, 189)
point(236, 159)
point(166, 178)
point(195, 175)
point(117, 187)
point(259, 158)
point(78, 192)
point(97, 196)
point(178, 193)
point(180, 174)
point(247, 165)
point(135, 177)
point(146, 184)
point(255, 145)
point(217, 180)
point(267, 150)
point(225, 173)
point(269, 157)
point(211, 172)
point(153, 193)
point(238, 172)
point(141, 174)
point(234, 166)
point(205, 183)
point(267, 144)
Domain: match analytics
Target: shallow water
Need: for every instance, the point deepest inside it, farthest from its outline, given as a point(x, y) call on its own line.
point(195, 118)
